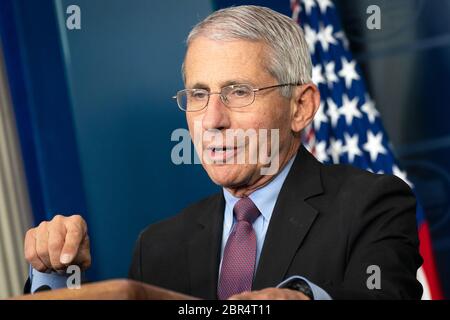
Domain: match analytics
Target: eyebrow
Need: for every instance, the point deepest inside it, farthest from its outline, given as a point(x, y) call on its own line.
point(201, 85)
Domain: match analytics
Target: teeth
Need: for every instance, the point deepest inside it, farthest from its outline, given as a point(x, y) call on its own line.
point(218, 149)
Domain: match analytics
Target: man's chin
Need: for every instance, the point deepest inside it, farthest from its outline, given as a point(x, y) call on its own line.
point(225, 182)
point(229, 176)
point(224, 175)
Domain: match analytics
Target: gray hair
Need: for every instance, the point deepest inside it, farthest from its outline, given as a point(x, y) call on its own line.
point(289, 60)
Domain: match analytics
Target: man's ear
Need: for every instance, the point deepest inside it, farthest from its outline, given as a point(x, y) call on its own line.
point(305, 102)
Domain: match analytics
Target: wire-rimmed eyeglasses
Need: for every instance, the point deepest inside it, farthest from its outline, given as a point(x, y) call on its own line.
point(233, 96)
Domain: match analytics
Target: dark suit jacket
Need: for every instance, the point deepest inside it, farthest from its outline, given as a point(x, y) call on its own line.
point(330, 223)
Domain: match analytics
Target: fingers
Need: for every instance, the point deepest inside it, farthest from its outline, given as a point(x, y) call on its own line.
point(270, 294)
point(246, 295)
point(56, 237)
point(41, 235)
point(30, 251)
point(76, 232)
point(58, 243)
point(83, 259)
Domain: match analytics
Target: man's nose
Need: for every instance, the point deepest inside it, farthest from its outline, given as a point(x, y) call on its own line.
point(216, 115)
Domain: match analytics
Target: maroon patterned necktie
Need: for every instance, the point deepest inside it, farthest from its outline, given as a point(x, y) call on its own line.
point(239, 257)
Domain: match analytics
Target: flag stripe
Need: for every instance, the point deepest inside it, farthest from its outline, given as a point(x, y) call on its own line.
point(429, 265)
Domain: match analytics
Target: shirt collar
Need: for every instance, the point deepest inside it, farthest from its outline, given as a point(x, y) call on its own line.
point(265, 197)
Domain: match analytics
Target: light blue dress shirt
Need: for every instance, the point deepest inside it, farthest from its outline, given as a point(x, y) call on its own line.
point(264, 199)
point(49, 279)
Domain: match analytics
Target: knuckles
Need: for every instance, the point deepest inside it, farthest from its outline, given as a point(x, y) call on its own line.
point(41, 250)
point(42, 225)
point(77, 220)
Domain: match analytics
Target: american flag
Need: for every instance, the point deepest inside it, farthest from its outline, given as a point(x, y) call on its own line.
point(347, 127)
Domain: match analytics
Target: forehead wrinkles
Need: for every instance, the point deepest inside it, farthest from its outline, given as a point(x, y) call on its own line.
point(213, 59)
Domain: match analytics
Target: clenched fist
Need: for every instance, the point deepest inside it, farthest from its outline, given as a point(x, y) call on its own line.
point(58, 243)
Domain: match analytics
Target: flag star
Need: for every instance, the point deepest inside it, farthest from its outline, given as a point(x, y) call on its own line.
point(309, 4)
point(317, 76)
point(320, 117)
point(325, 36)
point(351, 146)
point(401, 174)
point(324, 4)
point(348, 72)
point(335, 150)
point(321, 152)
point(374, 145)
point(310, 37)
point(349, 109)
point(369, 108)
point(341, 35)
point(333, 112)
point(330, 75)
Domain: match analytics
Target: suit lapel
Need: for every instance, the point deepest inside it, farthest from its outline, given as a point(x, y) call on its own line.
point(204, 250)
point(291, 220)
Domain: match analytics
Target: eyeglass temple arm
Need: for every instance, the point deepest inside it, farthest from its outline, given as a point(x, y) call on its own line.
point(277, 85)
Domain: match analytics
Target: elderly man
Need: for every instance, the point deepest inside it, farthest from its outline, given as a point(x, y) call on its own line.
point(305, 231)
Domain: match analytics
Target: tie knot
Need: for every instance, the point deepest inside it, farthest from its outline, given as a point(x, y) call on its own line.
point(246, 210)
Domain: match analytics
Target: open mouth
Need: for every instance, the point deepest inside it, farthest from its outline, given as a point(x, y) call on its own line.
point(221, 149)
point(221, 154)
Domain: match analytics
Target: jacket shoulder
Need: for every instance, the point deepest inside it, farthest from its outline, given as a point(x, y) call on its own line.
point(347, 177)
point(182, 222)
